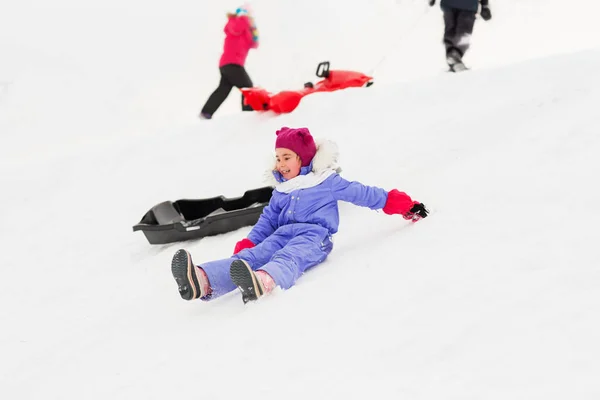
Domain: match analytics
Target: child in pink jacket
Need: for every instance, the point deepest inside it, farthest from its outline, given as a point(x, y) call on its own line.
point(241, 35)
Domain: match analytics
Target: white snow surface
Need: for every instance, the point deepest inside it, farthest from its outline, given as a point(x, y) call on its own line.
point(495, 296)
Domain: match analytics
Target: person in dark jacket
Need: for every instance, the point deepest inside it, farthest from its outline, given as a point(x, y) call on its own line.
point(459, 18)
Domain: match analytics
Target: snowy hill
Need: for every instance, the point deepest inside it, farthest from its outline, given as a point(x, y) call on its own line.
point(493, 297)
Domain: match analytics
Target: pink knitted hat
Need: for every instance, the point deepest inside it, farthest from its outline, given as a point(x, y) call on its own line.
point(299, 140)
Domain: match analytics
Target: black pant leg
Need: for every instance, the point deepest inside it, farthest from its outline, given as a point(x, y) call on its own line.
point(218, 96)
point(450, 22)
point(238, 77)
point(464, 29)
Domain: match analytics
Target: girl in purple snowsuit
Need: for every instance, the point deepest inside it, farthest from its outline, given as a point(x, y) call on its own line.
point(294, 231)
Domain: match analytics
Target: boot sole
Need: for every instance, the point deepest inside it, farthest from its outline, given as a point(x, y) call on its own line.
point(244, 278)
point(456, 64)
point(459, 67)
point(185, 275)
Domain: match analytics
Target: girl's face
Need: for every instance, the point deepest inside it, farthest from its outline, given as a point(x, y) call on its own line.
point(288, 163)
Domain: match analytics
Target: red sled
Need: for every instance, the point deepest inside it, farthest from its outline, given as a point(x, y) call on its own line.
point(286, 101)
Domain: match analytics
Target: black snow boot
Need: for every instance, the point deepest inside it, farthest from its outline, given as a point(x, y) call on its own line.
point(184, 272)
point(454, 60)
point(246, 280)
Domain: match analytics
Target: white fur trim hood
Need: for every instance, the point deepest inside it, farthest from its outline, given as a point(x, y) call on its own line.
point(326, 158)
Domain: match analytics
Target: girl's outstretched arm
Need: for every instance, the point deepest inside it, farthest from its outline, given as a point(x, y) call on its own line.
point(392, 202)
point(358, 194)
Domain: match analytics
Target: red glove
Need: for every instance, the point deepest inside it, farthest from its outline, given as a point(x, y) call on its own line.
point(401, 203)
point(243, 244)
point(398, 203)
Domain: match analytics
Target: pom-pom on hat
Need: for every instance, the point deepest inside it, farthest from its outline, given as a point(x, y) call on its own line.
point(299, 140)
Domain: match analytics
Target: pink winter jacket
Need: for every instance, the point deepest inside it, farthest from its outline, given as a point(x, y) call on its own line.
point(238, 41)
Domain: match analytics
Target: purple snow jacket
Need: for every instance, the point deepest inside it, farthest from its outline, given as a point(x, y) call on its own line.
point(294, 231)
point(312, 198)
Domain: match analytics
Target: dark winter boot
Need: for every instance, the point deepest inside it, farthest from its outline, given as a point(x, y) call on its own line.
point(184, 272)
point(246, 280)
point(454, 60)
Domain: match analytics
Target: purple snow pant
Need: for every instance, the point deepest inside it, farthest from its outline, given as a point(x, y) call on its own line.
point(285, 255)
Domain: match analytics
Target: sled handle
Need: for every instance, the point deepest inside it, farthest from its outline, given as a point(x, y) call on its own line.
point(323, 69)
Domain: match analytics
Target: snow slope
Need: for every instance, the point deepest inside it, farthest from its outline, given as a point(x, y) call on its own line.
point(495, 296)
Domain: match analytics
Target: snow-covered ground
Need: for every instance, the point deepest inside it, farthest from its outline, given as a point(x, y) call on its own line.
point(495, 296)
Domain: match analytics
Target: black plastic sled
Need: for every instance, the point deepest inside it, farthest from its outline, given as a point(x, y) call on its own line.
point(169, 222)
